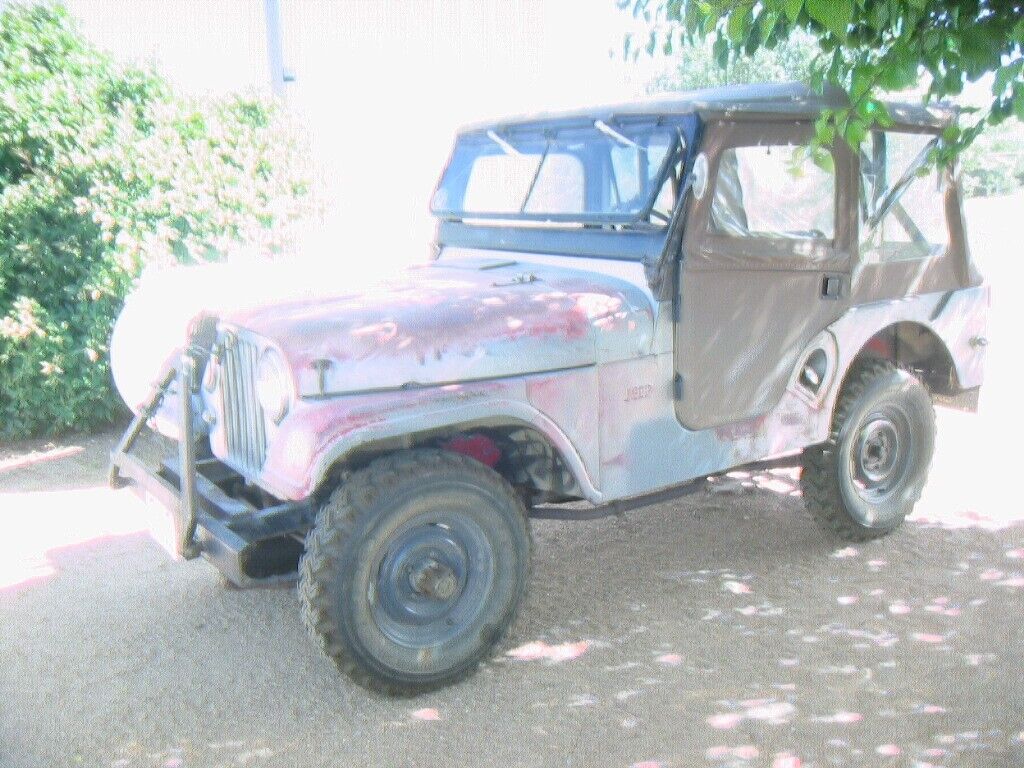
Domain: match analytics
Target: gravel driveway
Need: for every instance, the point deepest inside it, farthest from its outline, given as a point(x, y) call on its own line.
point(718, 630)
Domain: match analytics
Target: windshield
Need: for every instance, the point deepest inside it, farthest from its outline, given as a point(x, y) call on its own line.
point(601, 172)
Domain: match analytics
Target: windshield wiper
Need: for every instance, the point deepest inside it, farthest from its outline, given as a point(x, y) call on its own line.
point(507, 148)
point(611, 133)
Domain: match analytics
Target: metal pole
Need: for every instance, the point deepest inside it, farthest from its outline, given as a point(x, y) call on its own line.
point(275, 49)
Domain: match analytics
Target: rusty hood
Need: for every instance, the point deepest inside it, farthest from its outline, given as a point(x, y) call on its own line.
point(454, 321)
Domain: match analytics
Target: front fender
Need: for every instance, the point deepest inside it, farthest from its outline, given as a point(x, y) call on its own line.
point(317, 434)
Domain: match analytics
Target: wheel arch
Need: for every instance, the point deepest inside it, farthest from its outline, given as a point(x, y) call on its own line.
point(535, 454)
point(914, 346)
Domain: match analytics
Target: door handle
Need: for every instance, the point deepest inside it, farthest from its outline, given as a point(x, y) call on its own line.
point(831, 286)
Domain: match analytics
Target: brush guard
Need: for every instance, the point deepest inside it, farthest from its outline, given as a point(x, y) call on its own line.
point(248, 542)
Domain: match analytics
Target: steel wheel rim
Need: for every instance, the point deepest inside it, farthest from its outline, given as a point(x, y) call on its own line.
point(881, 456)
point(431, 581)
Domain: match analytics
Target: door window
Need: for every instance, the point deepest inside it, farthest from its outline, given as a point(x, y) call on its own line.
point(773, 191)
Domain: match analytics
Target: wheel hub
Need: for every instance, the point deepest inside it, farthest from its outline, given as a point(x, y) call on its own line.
point(879, 449)
point(431, 581)
point(434, 580)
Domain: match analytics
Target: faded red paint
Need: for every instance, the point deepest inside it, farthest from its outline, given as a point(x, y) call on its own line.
point(441, 323)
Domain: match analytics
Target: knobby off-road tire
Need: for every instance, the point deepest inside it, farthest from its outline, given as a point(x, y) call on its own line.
point(864, 481)
point(415, 570)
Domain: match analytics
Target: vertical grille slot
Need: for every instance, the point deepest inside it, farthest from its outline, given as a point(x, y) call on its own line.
point(243, 417)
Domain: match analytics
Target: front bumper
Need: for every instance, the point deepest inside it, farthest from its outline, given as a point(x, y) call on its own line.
point(250, 537)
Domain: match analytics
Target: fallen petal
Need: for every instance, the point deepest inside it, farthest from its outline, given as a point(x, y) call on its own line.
point(568, 651)
point(889, 750)
point(670, 659)
point(924, 637)
point(845, 552)
point(737, 587)
point(530, 651)
point(427, 713)
point(724, 721)
point(847, 599)
point(747, 752)
point(786, 760)
point(1016, 581)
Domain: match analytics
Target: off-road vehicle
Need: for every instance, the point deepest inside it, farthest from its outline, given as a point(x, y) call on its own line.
point(624, 302)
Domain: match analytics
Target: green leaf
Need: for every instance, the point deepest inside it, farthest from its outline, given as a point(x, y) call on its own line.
point(834, 15)
point(738, 25)
point(792, 9)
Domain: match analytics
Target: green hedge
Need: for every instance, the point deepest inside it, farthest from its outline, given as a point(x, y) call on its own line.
point(104, 169)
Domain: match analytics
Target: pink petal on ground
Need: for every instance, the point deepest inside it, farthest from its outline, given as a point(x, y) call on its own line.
point(932, 709)
point(670, 659)
point(1016, 581)
point(737, 587)
point(786, 760)
point(746, 752)
point(789, 662)
point(846, 552)
point(991, 574)
point(877, 563)
point(174, 762)
point(899, 609)
point(935, 752)
point(877, 592)
point(775, 712)
point(1015, 554)
point(647, 764)
point(719, 752)
point(747, 610)
point(427, 713)
point(724, 721)
point(924, 637)
point(951, 612)
point(568, 651)
point(530, 651)
point(538, 649)
point(847, 599)
point(841, 718)
point(889, 750)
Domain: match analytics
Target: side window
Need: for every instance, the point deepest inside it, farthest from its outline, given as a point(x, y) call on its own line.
point(773, 191)
point(902, 200)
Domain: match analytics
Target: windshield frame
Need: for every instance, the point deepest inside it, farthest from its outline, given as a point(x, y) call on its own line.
point(680, 127)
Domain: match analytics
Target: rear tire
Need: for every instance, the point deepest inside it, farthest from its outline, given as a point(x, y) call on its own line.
point(414, 570)
point(866, 479)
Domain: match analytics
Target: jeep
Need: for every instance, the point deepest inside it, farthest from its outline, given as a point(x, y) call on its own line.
point(623, 303)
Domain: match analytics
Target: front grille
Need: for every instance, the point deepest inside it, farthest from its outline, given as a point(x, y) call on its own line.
point(243, 417)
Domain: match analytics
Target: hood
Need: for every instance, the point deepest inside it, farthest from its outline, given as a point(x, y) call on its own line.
point(454, 321)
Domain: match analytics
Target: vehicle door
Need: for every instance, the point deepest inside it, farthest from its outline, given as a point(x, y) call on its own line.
point(765, 266)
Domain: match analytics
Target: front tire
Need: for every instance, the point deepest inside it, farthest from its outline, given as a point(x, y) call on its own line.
point(414, 570)
point(866, 479)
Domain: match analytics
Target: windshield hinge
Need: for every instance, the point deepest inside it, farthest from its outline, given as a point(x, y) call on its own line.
point(677, 386)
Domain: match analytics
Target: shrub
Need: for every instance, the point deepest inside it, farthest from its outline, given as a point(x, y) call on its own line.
point(103, 170)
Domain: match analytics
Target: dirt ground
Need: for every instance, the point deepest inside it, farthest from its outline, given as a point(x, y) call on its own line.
point(718, 630)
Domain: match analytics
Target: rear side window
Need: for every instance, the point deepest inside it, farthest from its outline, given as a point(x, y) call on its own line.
point(773, 191)
point(902, 199)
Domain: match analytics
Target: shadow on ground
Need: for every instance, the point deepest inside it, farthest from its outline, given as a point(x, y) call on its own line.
point(718, 630)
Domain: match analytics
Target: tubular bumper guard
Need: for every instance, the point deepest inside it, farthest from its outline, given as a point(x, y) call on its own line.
point(228, 530)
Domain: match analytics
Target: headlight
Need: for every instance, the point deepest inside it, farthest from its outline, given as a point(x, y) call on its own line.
point(273, 385)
